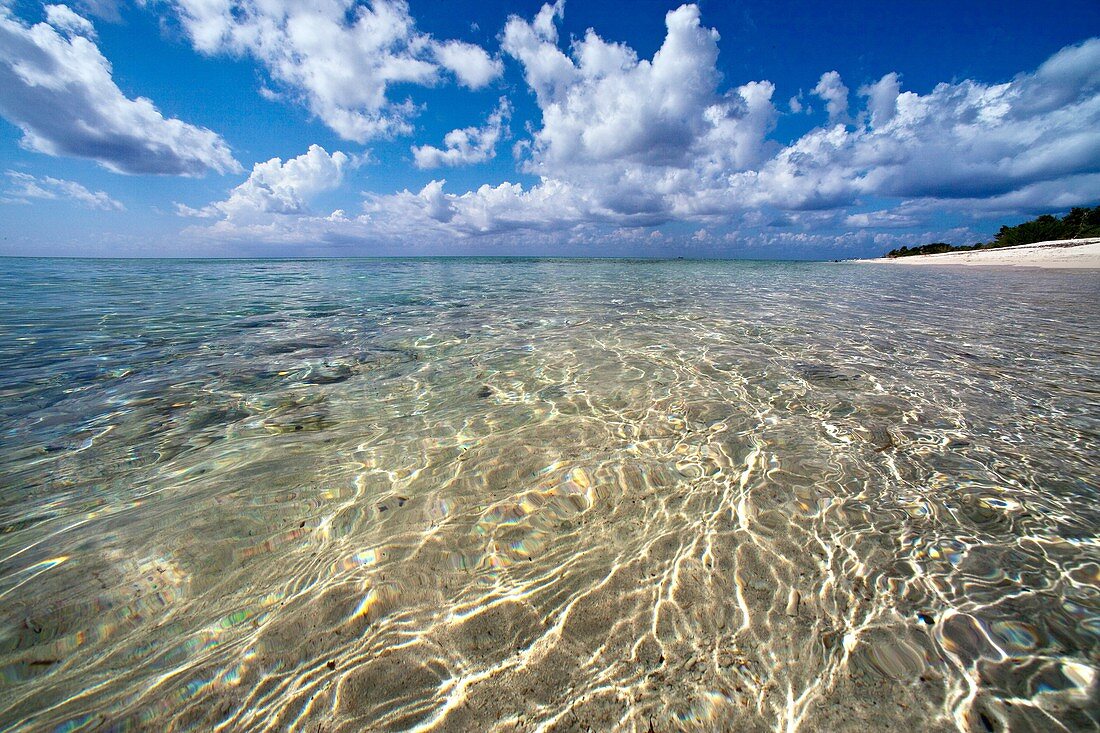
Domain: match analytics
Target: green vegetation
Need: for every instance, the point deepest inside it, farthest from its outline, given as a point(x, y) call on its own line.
point(1079, 223)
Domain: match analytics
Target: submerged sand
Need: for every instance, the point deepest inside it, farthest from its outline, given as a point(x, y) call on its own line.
point(560, 496)
point(1062, 254)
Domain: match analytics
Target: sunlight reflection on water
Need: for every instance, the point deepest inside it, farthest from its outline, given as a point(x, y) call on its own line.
point(521, 494)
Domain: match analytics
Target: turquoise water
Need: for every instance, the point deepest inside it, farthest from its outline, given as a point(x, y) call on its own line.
point(547, 495)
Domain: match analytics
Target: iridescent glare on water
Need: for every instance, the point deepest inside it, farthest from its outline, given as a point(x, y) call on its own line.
point(547, 495)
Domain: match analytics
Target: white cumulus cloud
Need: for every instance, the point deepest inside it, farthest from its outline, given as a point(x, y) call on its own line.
point(1023, 145)
point(56, 86)
point(832, 91)
point(466, 145)
point(882, 99)
point(277, 187)
point(63, 18)
point(963, 140)
point(638, 135)
point(24, 186)
point(338, 56)
point(624, 141)
point(470, 64)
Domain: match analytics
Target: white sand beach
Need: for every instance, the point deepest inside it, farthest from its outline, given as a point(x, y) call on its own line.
point(1059, 254)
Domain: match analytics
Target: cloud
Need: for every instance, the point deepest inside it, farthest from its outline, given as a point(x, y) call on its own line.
point(64, 19)
point(338, 57)
point(488, 210)
point(1024, 145)
point(832, 91)
point(1043, 197)
point(624, 141)
point(978, 140)
point(604, 105)
point(434, 203)
point(882, 99)
point(430, 216)
point(56, 86)
point(105, 9)
point(467, 145)
point(279, 188)
point(879, 220)
point(470, 64)
point(1026, 140)
point(23, 186)
point(534, 44)
point(639, 136)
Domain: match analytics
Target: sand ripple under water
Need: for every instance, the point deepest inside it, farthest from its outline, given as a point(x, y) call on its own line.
point(545, 495)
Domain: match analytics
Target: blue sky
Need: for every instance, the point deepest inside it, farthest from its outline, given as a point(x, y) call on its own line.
point(330, 127)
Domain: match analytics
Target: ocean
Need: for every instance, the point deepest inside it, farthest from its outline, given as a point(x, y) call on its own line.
point(527, 494)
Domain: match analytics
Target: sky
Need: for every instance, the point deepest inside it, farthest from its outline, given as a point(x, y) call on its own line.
point(786, 130)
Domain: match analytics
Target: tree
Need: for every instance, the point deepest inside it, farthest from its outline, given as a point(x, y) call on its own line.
point(1079, 223)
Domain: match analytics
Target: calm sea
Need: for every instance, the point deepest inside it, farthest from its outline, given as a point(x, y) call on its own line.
point(547, 495)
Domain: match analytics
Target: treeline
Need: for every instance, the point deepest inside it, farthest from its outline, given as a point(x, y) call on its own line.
point(1079, 223)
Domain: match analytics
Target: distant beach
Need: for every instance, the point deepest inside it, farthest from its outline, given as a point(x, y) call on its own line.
point(1062, 254)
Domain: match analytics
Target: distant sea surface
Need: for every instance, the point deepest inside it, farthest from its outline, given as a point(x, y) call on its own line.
point(467, 494)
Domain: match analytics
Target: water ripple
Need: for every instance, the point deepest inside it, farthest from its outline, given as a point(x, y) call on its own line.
point(547, 495)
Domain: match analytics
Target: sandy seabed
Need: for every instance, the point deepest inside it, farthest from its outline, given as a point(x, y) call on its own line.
point(336, 496)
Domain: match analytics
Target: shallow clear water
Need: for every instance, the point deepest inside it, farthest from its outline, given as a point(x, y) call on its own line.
point(459, 494)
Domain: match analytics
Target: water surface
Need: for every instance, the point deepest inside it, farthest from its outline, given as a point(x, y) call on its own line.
point(547, 495)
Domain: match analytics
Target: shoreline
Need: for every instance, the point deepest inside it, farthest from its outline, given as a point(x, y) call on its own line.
point(1059, 254)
